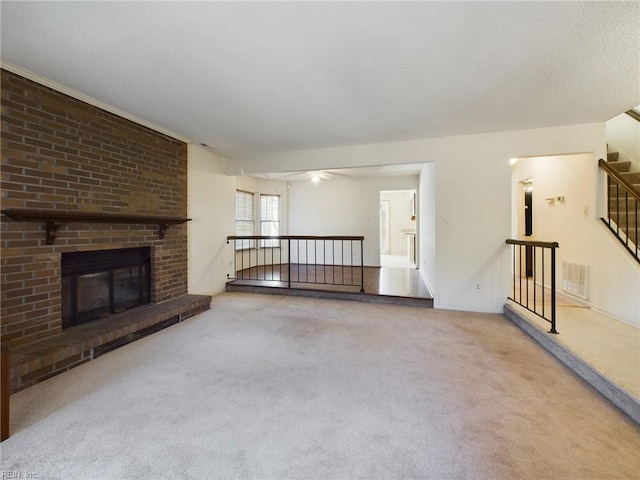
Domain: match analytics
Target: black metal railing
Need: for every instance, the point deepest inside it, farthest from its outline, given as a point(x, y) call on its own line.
point(623, 205)
point(534, 278)
point(299, 259)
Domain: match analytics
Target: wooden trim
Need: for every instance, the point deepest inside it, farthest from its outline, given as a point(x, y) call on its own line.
point(5, 392)
point(625, 244)
point(633, 114)
point(291, 237)
point(54, 219)
point(532, 243)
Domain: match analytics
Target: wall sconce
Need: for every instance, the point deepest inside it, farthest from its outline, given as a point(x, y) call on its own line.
point(315, 179)
point(527, 185)
point(553, 200)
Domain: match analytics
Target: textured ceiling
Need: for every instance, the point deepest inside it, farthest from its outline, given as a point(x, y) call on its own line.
point(248, 77)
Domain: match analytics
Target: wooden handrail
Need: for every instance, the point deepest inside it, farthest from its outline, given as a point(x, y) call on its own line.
point(622, 181)
point(292, 237)
point(54, 219)
point(633, 114)
point(532, 243)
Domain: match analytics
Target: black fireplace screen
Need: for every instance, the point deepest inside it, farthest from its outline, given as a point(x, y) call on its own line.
point(100, 283)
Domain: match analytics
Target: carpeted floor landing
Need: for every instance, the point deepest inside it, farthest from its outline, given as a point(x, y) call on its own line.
point(265, 386)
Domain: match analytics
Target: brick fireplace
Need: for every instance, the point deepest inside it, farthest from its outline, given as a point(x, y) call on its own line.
point(62, 155)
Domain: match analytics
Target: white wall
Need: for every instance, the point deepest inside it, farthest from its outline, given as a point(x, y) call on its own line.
point(623, 136)
point(583, 239)
point(427, 225)
point(211, 207)
point(472, 194)
point(343, 207)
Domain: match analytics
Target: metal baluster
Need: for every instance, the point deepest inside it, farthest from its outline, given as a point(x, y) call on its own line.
point(543, 283)
point(626, 216)
point(289, 263)
point(553, 291)
point(324, 261)
point(342, 261)
point(306, 258)
point(361, 266)
point(513, 255)
point(333, 262)
point(535, 307)
point(617, 209)
point(526, 274)
point(636, 237)
point(520, 273)
point(315, 261)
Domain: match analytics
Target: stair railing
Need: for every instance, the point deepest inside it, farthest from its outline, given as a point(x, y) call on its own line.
point(534, 278)
point(299, 259)
point(623, 210)
point(633, 114)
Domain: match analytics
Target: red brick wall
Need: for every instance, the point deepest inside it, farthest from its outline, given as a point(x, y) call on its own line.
point(59, 153)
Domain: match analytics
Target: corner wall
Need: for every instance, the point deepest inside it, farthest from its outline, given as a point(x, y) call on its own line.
point(427, 229)
point(212, 210)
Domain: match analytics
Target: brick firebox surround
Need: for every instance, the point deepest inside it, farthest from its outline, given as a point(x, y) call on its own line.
point(59, 153)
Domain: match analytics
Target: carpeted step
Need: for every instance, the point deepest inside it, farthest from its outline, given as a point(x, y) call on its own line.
point(627, 226)
point(631, 177)
point(620, 192)
point(621, 166)
point(622, 205)
point(624, 220)
point(612, 156)
point(632, 235)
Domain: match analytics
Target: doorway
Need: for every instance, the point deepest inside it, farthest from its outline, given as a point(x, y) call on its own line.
point(398, 228)
point(528, 225)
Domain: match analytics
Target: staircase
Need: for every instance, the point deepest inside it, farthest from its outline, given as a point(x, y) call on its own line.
point(623, 207)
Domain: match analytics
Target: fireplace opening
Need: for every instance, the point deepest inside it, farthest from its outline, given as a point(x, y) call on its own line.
point(99, 283)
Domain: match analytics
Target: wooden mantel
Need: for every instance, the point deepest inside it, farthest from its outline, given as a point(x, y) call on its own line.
point(54, 219)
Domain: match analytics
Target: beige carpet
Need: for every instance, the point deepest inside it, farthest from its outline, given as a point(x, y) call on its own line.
point(286, 387)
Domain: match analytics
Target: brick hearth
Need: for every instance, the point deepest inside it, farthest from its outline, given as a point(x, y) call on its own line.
point(38, 361)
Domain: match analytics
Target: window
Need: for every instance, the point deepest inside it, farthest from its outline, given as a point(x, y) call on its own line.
point(244, 218)
point(270, 218)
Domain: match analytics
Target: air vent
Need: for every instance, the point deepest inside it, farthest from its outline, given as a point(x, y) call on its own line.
point(575, 279)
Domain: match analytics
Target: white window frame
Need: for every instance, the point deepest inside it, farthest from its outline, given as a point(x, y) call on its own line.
point(245, 201)
point(269, 219)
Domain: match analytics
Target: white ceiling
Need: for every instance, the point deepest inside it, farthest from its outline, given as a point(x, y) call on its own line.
point(247, 77)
